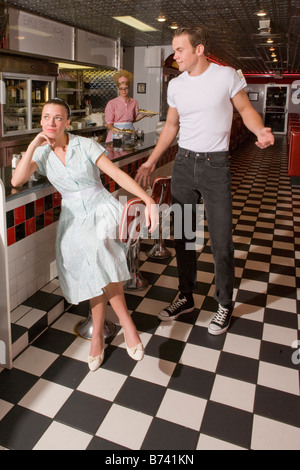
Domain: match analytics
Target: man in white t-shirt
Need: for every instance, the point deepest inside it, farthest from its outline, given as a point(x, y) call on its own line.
point(200, 106)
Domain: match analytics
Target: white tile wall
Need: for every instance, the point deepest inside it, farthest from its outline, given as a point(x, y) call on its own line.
point(31, 264)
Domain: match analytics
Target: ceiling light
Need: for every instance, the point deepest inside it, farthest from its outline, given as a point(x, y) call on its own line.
point(63, 65)
point(261, 13)
point(273, 55)
point(161, 18)
point(174, 25)
point(24, 29)
point(275, 60)
point(272, 49)
point(134, 23)
point(270, 41)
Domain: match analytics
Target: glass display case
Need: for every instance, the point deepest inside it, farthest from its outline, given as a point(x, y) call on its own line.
point(22, 98)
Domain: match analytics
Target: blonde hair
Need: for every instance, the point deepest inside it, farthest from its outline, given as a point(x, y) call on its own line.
point(123, 73)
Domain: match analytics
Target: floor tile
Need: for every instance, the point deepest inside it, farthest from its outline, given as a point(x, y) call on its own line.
point(35, 360)
point(228, 424)
point(61, 437)
point(163, 435)
point(235, 393)
point(182, 409)
point(140, 395)
point(155, 370)
point(15, 426)
point(277, 405)
point(125, 427)
point(45, 398)
point(102, 384)
point(278, 377)
point(83, 411)
point(200, 357)
point(210, 443)
point(273, 435)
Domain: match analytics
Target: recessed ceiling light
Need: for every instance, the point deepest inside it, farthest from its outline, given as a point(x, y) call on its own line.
point(134, 23)
point(161, 18)
point(174, 25)
point(261, 13)
point(269, 41)
point(25, 29)
point(63, 65)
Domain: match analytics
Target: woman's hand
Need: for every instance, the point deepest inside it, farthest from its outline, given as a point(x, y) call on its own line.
point(40, 140)
point(26, 167)
point(151, 215)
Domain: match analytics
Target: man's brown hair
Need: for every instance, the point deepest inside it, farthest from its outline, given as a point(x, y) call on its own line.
point(197, 35)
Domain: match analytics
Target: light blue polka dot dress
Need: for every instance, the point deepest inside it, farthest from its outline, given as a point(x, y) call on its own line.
point(89, 255)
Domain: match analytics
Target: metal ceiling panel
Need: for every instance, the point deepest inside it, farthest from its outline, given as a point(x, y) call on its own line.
point(235, 28)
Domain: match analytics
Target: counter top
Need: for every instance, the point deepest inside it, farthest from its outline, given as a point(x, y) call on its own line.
point(12, 193)
point(132, 148)
point(114, 154)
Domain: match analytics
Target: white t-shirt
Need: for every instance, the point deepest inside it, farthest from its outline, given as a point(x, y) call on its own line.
point(204, 107)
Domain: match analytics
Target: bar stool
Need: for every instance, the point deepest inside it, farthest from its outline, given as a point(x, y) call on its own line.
point(85, 328)
point(161, 193)
point(131, 227)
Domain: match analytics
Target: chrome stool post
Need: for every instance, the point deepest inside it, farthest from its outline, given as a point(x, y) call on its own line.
point(130, 233)
point(137, 281)
point(161, 193)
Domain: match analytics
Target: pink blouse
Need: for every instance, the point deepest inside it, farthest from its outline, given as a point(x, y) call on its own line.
point(117, 110)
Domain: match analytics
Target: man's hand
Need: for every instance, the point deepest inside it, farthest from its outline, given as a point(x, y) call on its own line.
point(265, 138)
point(143, 174)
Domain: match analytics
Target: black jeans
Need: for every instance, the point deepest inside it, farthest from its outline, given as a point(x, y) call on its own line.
point(207, 175)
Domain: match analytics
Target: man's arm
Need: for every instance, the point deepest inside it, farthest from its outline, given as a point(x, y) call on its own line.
point(252, 120)
point(166, 138)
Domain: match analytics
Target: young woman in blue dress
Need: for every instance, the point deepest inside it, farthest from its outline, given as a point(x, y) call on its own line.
point(91, 261)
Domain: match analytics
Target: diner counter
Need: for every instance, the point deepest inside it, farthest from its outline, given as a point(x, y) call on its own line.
point(123, 157)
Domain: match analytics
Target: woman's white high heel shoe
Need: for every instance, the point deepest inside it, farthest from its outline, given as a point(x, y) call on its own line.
point(136, 352)
point(95, 362)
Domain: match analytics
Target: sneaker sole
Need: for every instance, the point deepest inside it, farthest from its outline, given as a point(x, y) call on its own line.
point(217, 333)
point(220, 332)
point(162, 318)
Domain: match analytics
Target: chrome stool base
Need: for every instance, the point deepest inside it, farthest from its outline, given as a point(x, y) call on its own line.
point(158, 251)
point(85, 328)
point(137, 282)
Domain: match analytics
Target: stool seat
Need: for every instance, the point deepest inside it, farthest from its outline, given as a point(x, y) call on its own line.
point(161, 194)
point(161, 190)
point(131, 227)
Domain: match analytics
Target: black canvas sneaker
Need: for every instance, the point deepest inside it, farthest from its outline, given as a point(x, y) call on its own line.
point(179, 306)
point(221, 321)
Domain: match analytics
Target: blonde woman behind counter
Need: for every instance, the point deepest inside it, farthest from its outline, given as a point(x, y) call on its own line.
point(123, 111)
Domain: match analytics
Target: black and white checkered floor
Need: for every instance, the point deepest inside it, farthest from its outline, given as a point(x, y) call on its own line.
point(192, 391)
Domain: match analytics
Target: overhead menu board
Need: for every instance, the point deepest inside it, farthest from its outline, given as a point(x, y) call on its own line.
point(37, 35)
point(94, 49)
